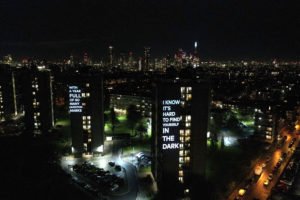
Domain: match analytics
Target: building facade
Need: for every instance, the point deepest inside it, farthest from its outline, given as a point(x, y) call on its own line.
point(8, 102)
point(180, 120)
point(122, 102)
point(38, 100)
point(86, 113)
point(265, 123)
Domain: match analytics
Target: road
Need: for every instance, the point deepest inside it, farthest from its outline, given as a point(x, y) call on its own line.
point(132, 182)
point(262, 192)
point(131, 174)
point(258, 190)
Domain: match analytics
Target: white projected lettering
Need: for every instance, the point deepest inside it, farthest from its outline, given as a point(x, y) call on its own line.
point(170, 123)
point(75, 99)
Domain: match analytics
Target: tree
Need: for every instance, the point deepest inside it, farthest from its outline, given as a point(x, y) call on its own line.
point(222, 141)
point(141, 129)
point(113, 120)
point(133, 117)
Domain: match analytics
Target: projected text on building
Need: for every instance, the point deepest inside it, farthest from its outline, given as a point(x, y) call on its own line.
point(75, 99)
point(170, 124)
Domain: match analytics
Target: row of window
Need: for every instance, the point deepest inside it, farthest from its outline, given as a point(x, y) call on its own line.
point(87, 94)
point(185, 133)
point(86, 121)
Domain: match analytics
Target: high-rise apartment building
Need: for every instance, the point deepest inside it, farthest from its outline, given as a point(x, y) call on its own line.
point(86, 113)
point(38, 100)
point(180, 119)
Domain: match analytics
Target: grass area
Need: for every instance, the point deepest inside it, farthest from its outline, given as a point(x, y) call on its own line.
point(244, 116)
point(122, 126)
point(145, 169)
point(65, 127)
point(136, 148)
point(62, 142)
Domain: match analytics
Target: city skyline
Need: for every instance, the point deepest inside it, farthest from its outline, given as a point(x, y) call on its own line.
point(224, 30)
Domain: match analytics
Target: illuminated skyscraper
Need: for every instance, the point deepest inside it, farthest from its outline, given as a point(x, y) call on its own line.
point(86, 113)
point(111, 61)
point(195, 48)
point(38, 100)
point(146, 58)
point(180, 118)
point(85, 58)
point(196, 59)
point(130, 61)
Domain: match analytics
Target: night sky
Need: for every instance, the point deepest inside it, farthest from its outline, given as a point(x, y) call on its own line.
point(224, 29)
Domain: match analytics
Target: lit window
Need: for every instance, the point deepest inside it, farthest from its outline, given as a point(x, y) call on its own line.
point(188, 97)
point(180, 179)
point(83, 117)
point(181, 132)
point(180, 173)
point(186, 153)
point(189, 90)
point(188, 118)
point(182, 103)
point(180, 159)
point(87, 94)
point(187, 124)
point(181, 153)
point(187, 132)
point(87, 85)
point(181, 139)
point(83, 94)
point(187, 159)
point(88, 117)
point(182, 90)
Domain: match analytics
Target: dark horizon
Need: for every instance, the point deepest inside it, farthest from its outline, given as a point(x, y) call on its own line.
point(225, 30)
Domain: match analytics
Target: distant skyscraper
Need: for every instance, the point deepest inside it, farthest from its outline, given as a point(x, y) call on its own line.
point(130, 61)
point(86, 113)
point(111, 61)
point(85, 58)
point(72, 60)
point(38, 102)
point(146, 58)
point(180, 118)
point(196, 59)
